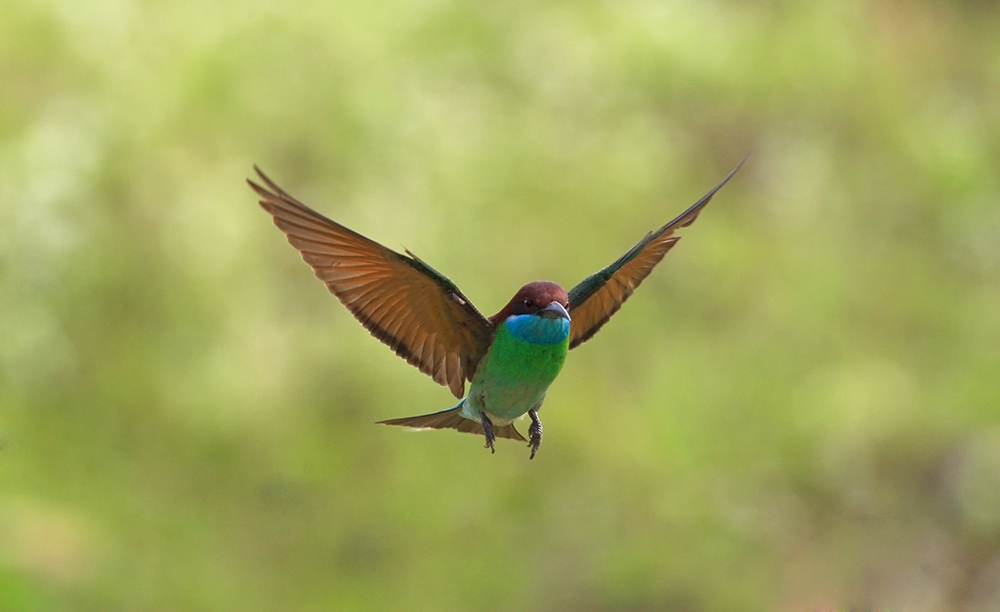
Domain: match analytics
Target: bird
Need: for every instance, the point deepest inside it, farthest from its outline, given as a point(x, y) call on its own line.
point(511, 358)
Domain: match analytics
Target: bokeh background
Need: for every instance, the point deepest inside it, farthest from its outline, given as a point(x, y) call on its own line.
point(799, 410)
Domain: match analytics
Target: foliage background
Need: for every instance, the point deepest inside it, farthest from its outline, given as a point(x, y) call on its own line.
point(797, 411)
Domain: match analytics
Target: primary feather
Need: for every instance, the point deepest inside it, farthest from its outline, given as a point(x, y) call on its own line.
point(401, 300)
point(600, 295)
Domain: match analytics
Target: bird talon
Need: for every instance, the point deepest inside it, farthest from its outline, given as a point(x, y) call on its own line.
point(534, 433)
point(488, 432)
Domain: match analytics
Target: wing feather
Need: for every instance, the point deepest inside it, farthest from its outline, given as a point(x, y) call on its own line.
point(402, 301)
point(599, 296)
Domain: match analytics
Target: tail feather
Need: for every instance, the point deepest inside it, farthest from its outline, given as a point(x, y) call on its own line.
point(451, 419)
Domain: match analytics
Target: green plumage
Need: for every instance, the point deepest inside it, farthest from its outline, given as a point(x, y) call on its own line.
point(513, 376)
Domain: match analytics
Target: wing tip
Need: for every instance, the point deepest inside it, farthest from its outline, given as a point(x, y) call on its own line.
point(689, 216)
point(267, 194)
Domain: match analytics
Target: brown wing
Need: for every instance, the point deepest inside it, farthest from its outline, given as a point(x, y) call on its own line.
point(593, 301)
point(400, 299)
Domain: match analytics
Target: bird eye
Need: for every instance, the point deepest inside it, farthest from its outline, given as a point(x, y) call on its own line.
point(529, 304)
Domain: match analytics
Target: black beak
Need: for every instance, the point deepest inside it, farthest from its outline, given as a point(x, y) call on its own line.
point(554, 310)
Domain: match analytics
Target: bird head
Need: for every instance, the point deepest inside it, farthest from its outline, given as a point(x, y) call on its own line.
point(541, 298)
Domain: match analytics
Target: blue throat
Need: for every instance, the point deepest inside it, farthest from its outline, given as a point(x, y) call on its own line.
point(538, 330)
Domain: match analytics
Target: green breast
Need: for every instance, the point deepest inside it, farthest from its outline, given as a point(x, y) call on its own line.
point(513, 376)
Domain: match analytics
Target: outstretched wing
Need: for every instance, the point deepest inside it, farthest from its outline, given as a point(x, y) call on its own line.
point(600, 295)
point(401, 300)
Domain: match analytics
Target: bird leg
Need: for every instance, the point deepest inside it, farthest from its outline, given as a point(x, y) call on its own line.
point(488, 430)
point(534, 432)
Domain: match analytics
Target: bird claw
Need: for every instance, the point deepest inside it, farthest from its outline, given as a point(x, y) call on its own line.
point(488, 431)
point(534, 433)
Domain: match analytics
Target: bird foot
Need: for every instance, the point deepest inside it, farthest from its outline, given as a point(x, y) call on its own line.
point(488, 431)
point(534, 433)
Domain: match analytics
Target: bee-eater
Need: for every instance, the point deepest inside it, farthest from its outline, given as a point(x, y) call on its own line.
point(510, 358)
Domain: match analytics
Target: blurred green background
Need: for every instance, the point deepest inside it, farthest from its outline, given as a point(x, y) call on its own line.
point(799, 410)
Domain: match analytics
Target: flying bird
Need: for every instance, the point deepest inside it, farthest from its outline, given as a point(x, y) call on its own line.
point(510, 359)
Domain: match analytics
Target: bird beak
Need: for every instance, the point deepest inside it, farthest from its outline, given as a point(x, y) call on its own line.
point(554, 310)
